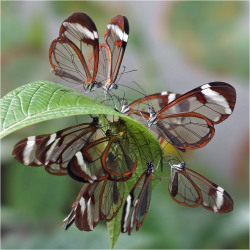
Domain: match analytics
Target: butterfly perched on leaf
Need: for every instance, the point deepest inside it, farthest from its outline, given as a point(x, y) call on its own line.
point(138, 200)
point(186, 121)
point(77, 57)
point(88, 152)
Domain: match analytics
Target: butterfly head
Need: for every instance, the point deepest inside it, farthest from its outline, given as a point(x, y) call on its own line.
point(178, 167)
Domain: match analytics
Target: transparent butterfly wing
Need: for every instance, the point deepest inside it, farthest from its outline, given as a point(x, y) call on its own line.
point(69, 53)
point(214, 197)
point(112, 199)
point(116, 37)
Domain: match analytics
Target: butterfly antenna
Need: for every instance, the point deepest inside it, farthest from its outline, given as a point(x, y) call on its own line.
point(120, 74)
point(135, 90)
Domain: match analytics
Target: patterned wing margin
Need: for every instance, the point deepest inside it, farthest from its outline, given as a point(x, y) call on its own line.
point(214, 100)
point(69, 53)
point(137, 203)
point(101, 159)
point(96, 201)
point(54, 150)
point(25, 150)
point(157, 101)
point(61, 146)
point(214, 197)
point(116, 37)
point(190, 188)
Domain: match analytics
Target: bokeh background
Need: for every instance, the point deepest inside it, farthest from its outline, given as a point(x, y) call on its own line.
point(174, 46)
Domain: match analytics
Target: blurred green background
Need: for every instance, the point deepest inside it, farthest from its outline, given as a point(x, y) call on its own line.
point(174, 46)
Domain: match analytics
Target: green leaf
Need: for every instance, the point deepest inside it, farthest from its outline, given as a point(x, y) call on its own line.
point(41, 101)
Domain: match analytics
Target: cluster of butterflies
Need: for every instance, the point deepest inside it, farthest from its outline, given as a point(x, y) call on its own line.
point(104, 154)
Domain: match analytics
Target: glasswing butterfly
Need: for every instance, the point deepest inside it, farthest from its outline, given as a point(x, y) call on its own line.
point(138, 200)
point(186, 121)
point(77, 57)
point(96, 201)
point(189, 188)
point(88, 152)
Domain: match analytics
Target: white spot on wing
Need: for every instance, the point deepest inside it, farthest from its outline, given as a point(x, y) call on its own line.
point(217, 98)
point(95, 34)
point(79, 28)
point(164, 93)
point(125, 37)
point(90, 215)
point(128, 200)
point(220, 189)
point(219, 201)
point(171, 97)
point(83, 165)
point(27, 152)
point(133, 215)
point(83, 205)
point(80, 161)
point(205, 86)
point(116, 29)
point(51, 139)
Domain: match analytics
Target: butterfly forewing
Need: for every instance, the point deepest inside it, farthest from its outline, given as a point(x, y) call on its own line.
point(190, 188)
point(112, 199)
point(87, 213)
point(137, 203)
point(118, 158)
point(96, 201)
point(213, 100)
point(25, 150)
point(67, 62)
point(70, 52)
point(116, 37)
point(86, 164)
point(61, 146)
point(214, 197)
